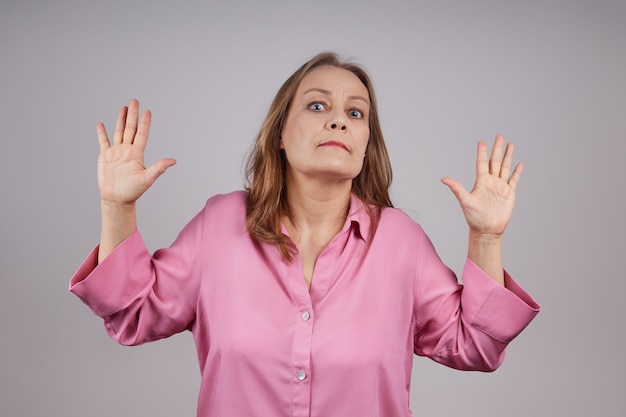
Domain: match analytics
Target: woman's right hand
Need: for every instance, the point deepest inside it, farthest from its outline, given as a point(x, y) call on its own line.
point(122, 175)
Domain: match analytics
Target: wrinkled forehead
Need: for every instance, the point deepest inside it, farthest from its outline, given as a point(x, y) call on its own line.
point(334, 80)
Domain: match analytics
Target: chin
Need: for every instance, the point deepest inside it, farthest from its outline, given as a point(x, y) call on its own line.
point(339, 174)
point(333, 170)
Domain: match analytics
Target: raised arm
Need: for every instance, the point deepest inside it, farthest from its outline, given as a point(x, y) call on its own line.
point(488, 207)
point(122, 175)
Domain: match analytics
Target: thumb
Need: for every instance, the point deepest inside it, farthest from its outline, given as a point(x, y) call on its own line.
point(457, 189)
point(155, 170)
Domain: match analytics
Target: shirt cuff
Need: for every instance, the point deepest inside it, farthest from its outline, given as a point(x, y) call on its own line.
point(112, 285)
point(500, 312)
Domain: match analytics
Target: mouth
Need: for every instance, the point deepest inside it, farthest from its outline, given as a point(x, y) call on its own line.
point(335, 144)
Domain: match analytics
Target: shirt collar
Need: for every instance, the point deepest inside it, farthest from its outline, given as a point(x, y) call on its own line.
point(358, 218)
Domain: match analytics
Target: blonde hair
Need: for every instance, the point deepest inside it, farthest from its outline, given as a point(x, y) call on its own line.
point(266, 164)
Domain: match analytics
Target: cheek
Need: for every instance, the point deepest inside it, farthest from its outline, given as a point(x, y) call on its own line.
point(292, 134)
point(363, 138)
point(291, 147)
point(286, 137)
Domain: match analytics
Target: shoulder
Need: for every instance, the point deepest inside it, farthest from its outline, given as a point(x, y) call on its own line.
point(396, 225)
point(396, 218)
point(226, 211)
point(227, 203)
point(219, 227)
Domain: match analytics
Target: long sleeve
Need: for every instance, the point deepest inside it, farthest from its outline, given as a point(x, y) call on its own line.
point(268, 345)
point(466, 326)
point(142, 297)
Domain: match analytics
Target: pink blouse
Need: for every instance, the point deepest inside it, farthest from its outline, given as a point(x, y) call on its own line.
point(267, 346)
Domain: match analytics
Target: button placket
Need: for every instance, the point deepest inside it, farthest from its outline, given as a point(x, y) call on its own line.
point(301, 377)
point(304, 332)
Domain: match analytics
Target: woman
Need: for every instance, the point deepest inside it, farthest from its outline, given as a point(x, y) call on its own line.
point(307, 294)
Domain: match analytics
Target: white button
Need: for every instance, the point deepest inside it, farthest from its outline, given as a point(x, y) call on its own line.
point(306, 315)
point(300, 374)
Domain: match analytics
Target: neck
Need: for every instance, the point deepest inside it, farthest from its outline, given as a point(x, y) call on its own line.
point(318, 208)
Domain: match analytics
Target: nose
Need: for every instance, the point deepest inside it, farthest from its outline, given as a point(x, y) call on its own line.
point(337, 122)
point(336, 125)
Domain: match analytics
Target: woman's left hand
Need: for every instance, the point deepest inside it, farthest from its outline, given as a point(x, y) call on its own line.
point(489, 206)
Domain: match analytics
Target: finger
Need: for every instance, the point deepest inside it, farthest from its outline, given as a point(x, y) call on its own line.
point(457, 189)
point(482, 162)
point(495, 162)
point(103, 138)
point(155, 170)
point(507, 162)
point(119, 125)
point(131, 122)
point(516, 176)
point(141, 138)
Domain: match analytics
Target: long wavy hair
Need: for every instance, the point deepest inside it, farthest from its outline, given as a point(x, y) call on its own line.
point(266, 164)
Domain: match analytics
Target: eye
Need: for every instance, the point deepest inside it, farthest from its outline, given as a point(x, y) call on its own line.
point(356, 114)
point(317, 106)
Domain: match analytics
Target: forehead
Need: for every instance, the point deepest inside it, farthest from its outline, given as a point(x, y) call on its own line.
point(334, 80)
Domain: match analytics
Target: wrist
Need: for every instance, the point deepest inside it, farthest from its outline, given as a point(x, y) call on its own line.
point(118, 219)
point(485, 250)
point(486, 239)
point(117, 208)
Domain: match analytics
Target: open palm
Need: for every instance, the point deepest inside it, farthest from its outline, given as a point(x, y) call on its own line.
point(488, 207)
point(122, 175)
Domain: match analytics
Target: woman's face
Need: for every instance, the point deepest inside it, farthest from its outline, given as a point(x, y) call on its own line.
point(326, 131)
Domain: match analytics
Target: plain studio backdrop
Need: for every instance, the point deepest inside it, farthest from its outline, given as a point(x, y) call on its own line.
point(549, 75)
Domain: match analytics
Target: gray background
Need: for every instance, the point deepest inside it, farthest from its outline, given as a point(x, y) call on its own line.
point(549, 75)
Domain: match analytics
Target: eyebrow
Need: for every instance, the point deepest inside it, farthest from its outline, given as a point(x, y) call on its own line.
point(328, 93)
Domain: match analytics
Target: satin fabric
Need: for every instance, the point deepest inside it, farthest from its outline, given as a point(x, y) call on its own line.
point(269, 346)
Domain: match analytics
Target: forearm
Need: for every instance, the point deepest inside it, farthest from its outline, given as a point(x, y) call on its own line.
point(486, 252)
point(118, 223)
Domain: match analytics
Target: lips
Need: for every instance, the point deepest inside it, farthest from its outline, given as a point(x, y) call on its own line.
point(336, 144)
